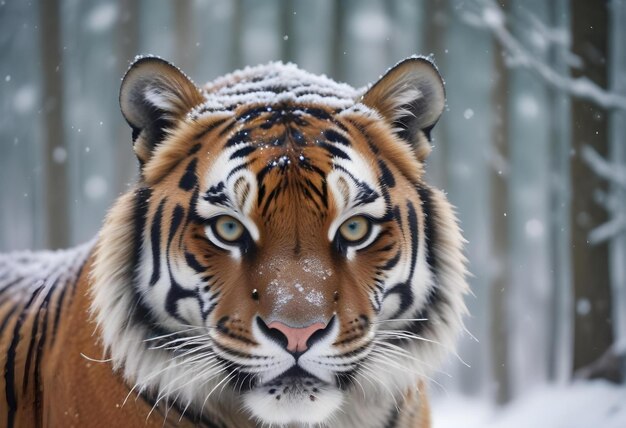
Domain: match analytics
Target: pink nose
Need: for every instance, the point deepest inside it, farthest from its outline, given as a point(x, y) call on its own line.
point(296, 337)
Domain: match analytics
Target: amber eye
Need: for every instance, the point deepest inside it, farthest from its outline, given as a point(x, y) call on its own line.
point(355, 228)
point(228, 228)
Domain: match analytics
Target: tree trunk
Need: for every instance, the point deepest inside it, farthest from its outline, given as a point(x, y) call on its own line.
point(618, 157)
point(236, 56)
point(561, 317)
point(53, 135)
point(183, 32)
point(500, 248)
point(337, 47)
point(592, 322)
point(127, 48)
point(287, 35)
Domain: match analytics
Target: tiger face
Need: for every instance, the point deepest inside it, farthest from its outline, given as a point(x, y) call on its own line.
point(281, 251)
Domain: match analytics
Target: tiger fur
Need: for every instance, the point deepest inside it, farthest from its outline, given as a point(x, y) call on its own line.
point(281, 261)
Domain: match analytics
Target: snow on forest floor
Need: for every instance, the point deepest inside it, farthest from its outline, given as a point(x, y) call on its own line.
point(595, 404)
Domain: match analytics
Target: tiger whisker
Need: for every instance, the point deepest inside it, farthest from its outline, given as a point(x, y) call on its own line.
point(214, 388)
point(385, 359)
point(169, 366)
point(149, 339)
point(201, 374)
point(166, 391)
point(399, 320)
point(190, 344)
point(401, 334)
point(94, 359)
point(373, 376)
point(396, 350)
point(177, 340)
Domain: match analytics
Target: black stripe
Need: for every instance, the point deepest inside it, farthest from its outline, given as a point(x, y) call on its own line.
point(251, 113)
point(386, 176)
point(43, 308)
point(194, 149)
point(176, 292)
point(272, 195)
point(237, 138)
point(57, 314)
point(194, 263)
point(321, 193)
point(366, 194)
point(297, 137)
point(39, 356)
point(335, 137)
point(310, 196)
point(205, 131)
point(155, 241)
point(227, 128)
point(392, 262)
point(244, 151)
point(317, 113)
point(260, 176)
point(72, 288)
point(189, 179)
point(403, 289)
point(238, 168)
point(141, 313)
point(334, 151)
point(177, 217)
point(435, 298)
point(430, 231)
point(216, 195)
point(9, 368)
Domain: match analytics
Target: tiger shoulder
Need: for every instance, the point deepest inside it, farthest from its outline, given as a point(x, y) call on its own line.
point(281, 261)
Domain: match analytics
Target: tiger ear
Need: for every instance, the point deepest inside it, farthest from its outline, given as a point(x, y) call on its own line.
point(411, 98)
point(154, 94)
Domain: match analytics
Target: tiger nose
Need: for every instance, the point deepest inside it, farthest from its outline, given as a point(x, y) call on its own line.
point(297, 338)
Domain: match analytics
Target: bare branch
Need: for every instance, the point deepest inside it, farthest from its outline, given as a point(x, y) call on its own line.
point(491, 17)
point(614, 173)
point(608, 230)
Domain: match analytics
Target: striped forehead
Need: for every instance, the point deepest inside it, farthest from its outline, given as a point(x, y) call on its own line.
point(269, 147)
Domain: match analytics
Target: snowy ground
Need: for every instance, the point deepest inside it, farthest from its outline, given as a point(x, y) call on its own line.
point(596, 404)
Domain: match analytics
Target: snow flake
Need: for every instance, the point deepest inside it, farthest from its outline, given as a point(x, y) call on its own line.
point(102, 17)
point(528, 106)
point(95, 187)
point(534, 228)
point(583, 307)
point(25, 99)
point(59, 154)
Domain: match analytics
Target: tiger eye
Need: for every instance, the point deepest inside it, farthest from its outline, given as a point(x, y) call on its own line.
point(229, 228)
point(355, 228)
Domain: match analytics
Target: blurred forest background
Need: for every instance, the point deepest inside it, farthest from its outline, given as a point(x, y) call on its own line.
point(531, 148)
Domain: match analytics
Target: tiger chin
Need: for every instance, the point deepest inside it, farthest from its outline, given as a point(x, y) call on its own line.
point(280, 261)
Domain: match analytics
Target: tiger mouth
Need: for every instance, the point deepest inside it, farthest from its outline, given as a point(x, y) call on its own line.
point(295, 383)
point(295, 375)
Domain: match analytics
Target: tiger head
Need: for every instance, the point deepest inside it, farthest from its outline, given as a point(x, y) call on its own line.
point(281, 251)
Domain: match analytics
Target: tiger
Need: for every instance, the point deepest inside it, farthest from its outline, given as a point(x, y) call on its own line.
point(281, 261)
